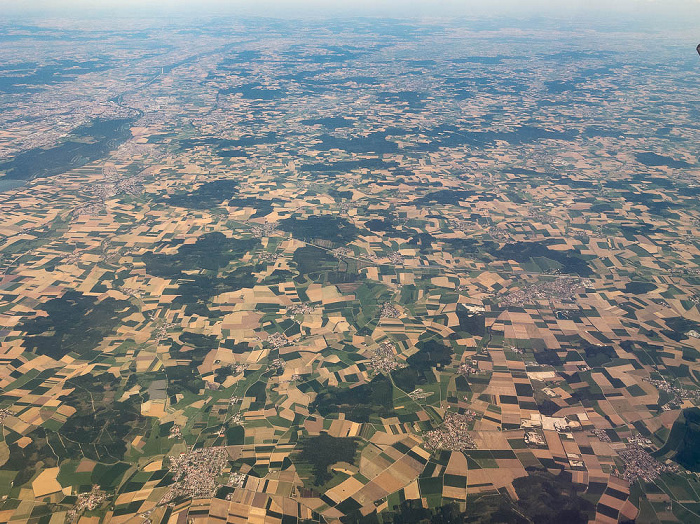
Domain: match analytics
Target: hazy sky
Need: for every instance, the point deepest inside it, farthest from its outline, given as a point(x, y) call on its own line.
point(685, 10)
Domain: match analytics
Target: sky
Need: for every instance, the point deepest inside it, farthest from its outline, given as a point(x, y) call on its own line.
point(682, 10)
